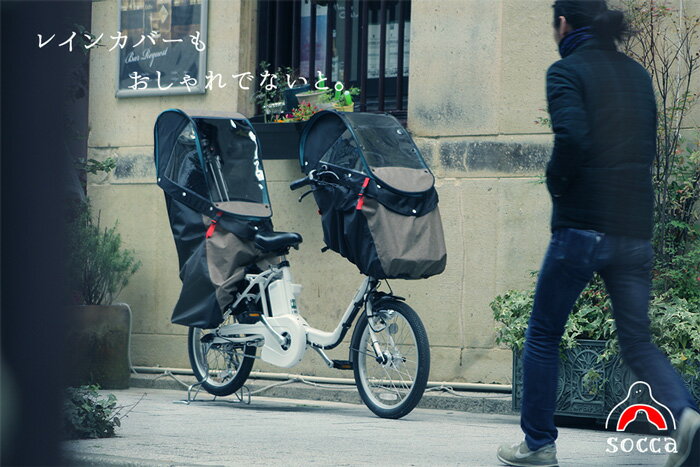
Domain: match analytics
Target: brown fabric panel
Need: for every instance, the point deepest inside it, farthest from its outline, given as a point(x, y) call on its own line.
point(405, 179)
point(406, 245)
point(227, 257)
point(244, 208)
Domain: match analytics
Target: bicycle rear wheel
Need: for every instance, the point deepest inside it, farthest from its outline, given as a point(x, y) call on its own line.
point(221, 367)
point(392, 385)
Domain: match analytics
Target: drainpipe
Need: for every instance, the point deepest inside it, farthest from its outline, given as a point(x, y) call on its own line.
point(459, 386)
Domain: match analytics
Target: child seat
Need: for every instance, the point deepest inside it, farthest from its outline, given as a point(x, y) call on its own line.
point(375, 193)
point(208, 164)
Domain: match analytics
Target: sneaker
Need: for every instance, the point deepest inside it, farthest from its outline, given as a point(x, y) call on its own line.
point(688, 438)
point(520, 455)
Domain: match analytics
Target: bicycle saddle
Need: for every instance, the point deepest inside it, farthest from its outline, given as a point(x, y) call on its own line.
point(276, 241)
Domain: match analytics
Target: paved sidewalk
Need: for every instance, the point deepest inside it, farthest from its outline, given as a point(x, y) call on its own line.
point(272, 431)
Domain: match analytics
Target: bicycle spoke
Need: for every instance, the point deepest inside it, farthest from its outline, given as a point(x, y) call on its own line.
point(222, 362)
point(396, 377)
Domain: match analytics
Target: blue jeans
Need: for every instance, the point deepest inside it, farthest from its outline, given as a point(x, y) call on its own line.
point(624, 263)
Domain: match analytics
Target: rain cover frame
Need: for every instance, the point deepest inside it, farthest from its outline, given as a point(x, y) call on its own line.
point(210, 161)
point(208, 164)
point(374, 145)
point(375, 193)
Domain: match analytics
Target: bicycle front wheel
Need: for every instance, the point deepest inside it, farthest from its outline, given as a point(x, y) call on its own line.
point(392, 384)
point(221, 367)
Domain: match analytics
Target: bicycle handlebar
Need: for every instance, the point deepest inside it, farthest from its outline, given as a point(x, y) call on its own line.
point(302, 182)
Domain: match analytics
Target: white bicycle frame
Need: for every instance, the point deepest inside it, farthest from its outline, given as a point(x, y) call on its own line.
point(281, 331)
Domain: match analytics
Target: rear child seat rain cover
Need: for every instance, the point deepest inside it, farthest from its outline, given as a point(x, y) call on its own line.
point(208, 164)
point(375, 193)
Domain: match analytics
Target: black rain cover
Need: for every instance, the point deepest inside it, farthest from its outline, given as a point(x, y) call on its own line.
point(375, 194)
point(216, 196)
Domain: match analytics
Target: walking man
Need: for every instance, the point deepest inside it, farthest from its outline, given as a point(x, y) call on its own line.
point(603, 115)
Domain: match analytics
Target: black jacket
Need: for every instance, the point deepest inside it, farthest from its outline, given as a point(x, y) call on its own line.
point(603, 114)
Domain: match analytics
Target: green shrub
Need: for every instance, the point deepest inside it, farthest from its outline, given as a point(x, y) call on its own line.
point(512, 309)
point(675, 323)
point(675, 326)
point(99, 268)
point(682, 275)
point(589, 319)
point(87, 415)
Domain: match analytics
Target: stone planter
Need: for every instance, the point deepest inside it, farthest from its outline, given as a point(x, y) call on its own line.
point(587, 387)
point(98, 346)
point(311, 97)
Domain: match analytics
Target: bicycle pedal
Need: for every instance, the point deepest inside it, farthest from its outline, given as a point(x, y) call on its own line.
point(342, 364)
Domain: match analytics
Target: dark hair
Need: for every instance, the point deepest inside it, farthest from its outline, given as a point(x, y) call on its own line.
point(604, 23)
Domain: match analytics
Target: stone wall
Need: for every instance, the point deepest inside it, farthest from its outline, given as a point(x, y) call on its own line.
point(476, 88)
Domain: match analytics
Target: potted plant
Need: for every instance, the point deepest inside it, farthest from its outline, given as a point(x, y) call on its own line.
point(313, 97)
point(98, 269)
point(332, 98)
point(286, 107)
point(316, 97)
point(343, 100)
point(269, 96)
point(279, 138)
point(592, 377)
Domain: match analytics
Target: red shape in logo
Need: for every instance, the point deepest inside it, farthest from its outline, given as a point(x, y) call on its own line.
point(653, 415)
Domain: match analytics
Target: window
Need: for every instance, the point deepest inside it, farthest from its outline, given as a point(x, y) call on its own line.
point(367, 48)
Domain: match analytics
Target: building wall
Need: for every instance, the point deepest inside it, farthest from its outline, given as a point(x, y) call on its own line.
point(476, 88)
point(123, 128)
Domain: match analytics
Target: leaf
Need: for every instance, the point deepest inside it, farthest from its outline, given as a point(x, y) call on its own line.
point(86, 414)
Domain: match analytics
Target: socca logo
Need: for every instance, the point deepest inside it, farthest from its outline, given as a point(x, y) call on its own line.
point(657, 416)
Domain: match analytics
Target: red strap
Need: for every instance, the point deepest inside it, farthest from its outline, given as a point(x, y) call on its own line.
point(212, 226)
point(210, 230)
point(361, 199)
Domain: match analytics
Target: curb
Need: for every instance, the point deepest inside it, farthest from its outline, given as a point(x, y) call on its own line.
point(461, 401)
